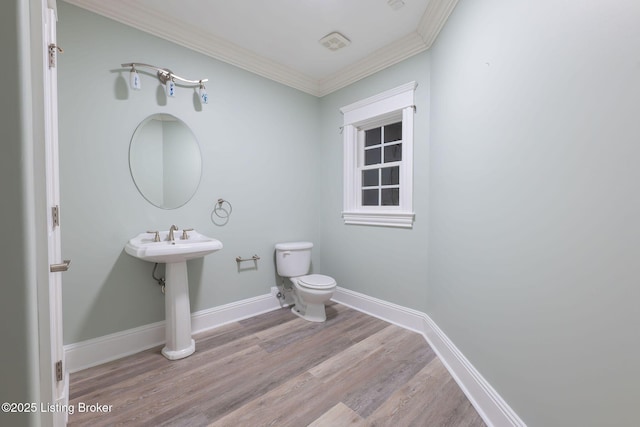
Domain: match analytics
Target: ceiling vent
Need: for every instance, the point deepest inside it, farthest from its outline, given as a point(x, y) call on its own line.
point(334, 41)
point(395, 4)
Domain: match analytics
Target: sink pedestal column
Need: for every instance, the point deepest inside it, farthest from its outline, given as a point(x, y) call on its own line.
point(179, 343)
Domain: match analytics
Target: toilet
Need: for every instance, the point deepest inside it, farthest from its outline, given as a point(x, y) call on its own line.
point(310, 291)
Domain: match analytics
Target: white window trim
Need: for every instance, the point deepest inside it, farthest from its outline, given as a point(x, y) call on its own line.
point(365, 113)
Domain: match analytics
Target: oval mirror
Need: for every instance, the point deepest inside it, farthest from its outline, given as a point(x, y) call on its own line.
point(165, 161)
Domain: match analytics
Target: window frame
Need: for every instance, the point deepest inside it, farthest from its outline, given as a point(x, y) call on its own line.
point(379, 110)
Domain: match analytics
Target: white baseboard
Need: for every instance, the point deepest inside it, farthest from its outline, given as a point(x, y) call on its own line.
point(232, 312)
point(491, 407)
point(93, 352)
point(489, 404)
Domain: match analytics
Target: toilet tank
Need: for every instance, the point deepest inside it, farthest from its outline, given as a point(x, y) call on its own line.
point(293, 259)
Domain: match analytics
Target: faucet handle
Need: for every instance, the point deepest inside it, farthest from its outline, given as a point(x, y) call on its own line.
point(156, 238)
point(185, 236)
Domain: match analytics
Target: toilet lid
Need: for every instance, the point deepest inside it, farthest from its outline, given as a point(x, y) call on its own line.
point(316, 281)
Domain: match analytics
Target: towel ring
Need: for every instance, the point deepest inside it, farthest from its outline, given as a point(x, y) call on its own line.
point(221, 212)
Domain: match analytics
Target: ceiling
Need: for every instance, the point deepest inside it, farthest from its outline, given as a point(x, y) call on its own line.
point(279, 39)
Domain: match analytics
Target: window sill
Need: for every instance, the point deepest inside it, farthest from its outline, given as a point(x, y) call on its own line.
point(382, 219)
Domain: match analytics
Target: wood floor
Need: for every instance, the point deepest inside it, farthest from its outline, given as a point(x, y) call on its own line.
point(279, 370)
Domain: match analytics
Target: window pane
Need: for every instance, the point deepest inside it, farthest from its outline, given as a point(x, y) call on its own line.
point(372, 157)
point(372, 137)
point(390, 197)
point(391, 176)
point(393, 153)
point(369, 197)
point(393, 132)
point(370, 177)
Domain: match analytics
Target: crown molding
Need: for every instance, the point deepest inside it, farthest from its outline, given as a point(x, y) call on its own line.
point(149, 21)
point(434, 18)
point(152, 22)
point(379, 60)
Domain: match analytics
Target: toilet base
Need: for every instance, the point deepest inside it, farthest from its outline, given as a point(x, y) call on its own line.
point(312, 313)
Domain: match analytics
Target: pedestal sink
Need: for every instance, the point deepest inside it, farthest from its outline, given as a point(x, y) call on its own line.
point(174, 253)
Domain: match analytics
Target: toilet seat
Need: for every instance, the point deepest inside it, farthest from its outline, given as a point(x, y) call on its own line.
point(316, 281)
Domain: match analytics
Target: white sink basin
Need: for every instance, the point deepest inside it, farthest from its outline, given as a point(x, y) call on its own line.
point(197, 245)
point(174, 254)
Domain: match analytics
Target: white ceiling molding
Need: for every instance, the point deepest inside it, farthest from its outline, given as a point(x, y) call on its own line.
point(183, 34)
point(130, 14)
point(434, 18)
point(378, 60)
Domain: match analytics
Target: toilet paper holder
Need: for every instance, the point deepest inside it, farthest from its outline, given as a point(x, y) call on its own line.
point(239, 259)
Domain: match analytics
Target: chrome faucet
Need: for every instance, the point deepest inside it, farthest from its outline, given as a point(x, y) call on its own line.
point(171, 230)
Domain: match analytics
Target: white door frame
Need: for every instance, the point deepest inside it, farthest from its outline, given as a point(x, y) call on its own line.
point(52, 390)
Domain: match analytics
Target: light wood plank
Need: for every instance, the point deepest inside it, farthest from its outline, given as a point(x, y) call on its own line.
point(277, 369)
point(279, 407)
point(431, 388)
point(339, 416)
point(334, 367)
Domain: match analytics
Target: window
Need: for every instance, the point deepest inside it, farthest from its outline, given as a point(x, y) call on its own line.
point(381, 167)
point(378, 159)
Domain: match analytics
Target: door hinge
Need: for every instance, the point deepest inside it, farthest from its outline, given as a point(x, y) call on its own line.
point(59, 370)
point(55, 215)
point(53, 53)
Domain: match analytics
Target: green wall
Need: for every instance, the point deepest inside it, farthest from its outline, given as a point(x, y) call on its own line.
point(18, 304)
point(383, 262)
point(259, 143)
point(524, 249)
point(533, 261)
